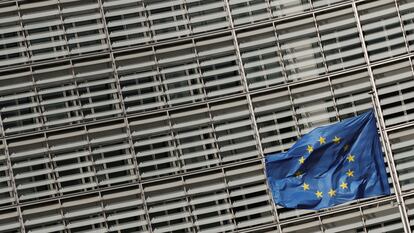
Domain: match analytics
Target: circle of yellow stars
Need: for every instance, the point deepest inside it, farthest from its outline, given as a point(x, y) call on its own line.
point(350, 173)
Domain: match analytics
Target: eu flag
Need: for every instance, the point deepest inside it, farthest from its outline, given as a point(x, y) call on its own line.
point(330, 165)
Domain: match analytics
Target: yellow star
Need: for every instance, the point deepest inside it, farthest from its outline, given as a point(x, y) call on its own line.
point(319, 194)
point(302, 160)
point(305, 186)
point(322, 140)
point(350, 158)
point(344, 185)
point(298, 174)
point(350, 173)
point(309, 149)
point(336, 140)
point(346, 147)
point(332, 193)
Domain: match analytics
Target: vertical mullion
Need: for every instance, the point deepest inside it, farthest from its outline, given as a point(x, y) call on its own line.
point(324, 59)
point(22, 228)
point(119, 94)
point(175, 151)
point(250, 104)
point(279, 52)
point(78, 101)
point(62, 214)
point(91, 158)
point(63, 26)
point(244, 81)
point(50, 165)
point(321, 224)
point(363, 220)
point(228, 198)
point(104, 214)
point(23, 32)
point(145, 207)
point(397, 7)
point(201, 79)
point(383, 132)
point(13, 183)
point(35, 98)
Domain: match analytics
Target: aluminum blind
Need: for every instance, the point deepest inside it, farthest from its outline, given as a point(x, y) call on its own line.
point(261, 57)
point(300, 46)
point(394, 82)
point(340, 39)
point(380, 23)
point(155, 116)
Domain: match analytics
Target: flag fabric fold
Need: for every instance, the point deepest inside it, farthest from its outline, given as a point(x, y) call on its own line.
point(330, 165)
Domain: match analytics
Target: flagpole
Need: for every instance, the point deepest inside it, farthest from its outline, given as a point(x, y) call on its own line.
point(390, 162)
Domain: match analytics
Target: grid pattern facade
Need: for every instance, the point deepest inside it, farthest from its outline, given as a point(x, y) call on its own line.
point(155, 115)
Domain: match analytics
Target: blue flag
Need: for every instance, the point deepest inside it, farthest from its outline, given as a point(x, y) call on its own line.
point(330, 165)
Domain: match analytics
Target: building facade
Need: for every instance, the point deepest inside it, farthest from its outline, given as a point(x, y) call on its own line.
point(155, 115)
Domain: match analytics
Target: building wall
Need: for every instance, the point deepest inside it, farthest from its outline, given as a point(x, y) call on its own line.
point(155, 116)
